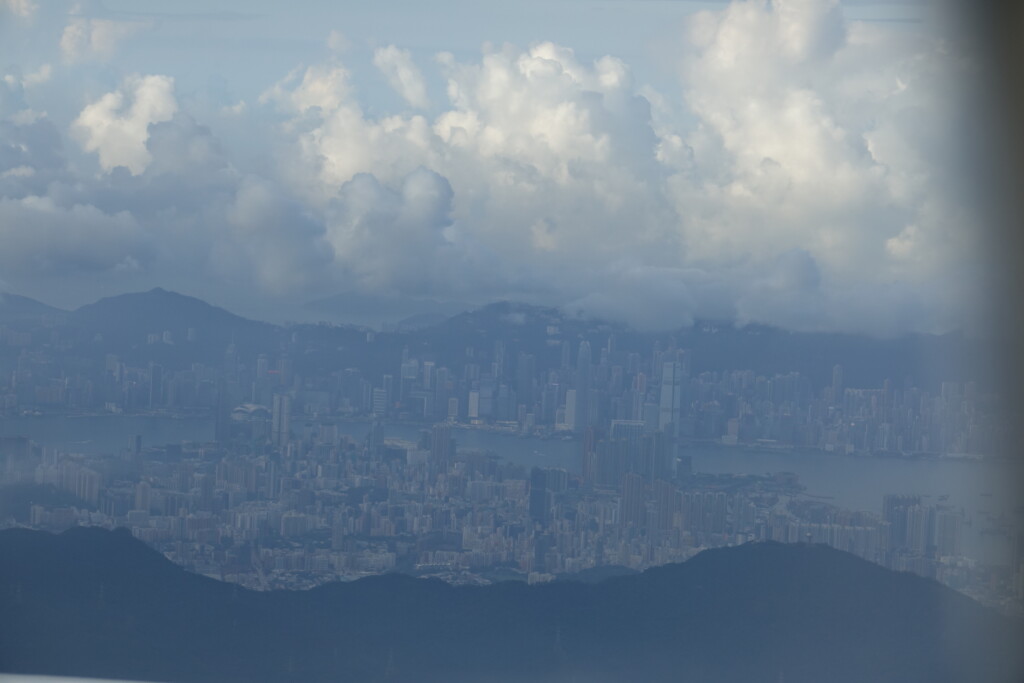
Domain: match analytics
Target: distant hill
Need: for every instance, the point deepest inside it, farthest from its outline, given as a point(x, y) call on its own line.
point(716, 346)
point(867, 361)
point(419, 321)
point(122, 324)
point(127, 320)
point(598, 574)
point(14, 308)
point(377, 309)
point(156, 311)
point(98, 603)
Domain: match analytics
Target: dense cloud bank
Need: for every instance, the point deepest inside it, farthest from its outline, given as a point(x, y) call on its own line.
point(805, 173)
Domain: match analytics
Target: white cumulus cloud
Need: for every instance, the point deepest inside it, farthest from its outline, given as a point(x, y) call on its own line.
point(87, 38)
point(800, 173)
point(116, 126)
point(402, 74)
point(40, 236)
point(21, 8)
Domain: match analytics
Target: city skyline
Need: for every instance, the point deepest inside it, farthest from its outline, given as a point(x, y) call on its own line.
point(608, 340)
point(508, 442)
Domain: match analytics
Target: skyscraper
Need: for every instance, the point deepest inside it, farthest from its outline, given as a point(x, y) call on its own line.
point(571, 408)
point(281, 416)
point(583, 370)
point(632, 505)
point(540, 503)
point(837, 385)
point(222, 413)
point(525, 371)
point(156, 385)
point(442, 446)
point(671, 396)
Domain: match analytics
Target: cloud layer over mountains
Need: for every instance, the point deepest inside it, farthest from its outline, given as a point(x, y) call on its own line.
point(803, 173)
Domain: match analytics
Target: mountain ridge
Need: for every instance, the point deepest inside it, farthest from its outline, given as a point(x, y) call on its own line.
point(156, 295)
point(127, 323)
point(101, 603)
point(152, 304)
point(17, 308)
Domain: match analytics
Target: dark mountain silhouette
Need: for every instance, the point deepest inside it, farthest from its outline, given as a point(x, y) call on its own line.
point(598, 574)
point(155, 311)
point(15, 308)
point(99, 603)
point(126, 321)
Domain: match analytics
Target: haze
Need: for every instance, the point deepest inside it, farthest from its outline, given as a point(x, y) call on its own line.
point(798, 163)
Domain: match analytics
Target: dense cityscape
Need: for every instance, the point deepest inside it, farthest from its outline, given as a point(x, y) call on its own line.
point(575, 341)
point(283, 494)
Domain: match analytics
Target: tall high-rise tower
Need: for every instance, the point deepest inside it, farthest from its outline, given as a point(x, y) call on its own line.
point(281, 418)
point(837, 385)
point(583, 370)
point(442, 446)
point(671, 405)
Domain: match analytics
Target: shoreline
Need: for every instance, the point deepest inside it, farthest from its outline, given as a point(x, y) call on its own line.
point(706, 444)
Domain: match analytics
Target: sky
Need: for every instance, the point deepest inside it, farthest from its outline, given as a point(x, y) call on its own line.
point(799, 163)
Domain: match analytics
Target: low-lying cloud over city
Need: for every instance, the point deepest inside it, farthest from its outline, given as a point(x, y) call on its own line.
point(785, 163)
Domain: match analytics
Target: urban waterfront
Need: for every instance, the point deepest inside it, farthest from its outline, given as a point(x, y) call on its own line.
point(581, 341)
point(850, 482)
